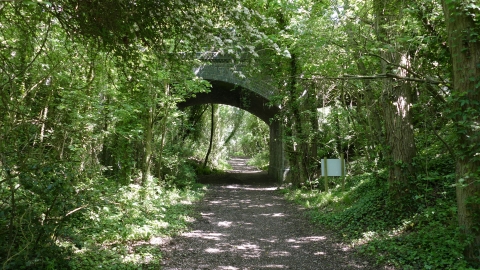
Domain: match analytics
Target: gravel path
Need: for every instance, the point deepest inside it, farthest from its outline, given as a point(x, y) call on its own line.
point(245, 223)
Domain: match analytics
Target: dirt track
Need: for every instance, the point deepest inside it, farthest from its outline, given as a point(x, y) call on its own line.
point(244, 223)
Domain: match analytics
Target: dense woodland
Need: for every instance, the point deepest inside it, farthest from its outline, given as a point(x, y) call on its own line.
point(95, 156)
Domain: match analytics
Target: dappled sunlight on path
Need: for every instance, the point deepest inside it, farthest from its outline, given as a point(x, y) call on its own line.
point(239, 165)
point(253, 227)
point(241, 174)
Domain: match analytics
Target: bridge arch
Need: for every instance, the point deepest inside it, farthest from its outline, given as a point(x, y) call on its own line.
point(251, 95)
point(227, 93)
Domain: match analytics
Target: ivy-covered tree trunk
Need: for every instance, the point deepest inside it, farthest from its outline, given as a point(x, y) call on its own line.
point(294, 131)
point(463, 28)
point(314, 134)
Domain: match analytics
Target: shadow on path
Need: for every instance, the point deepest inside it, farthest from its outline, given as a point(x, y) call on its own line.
point(251, 226)
point(241, 173)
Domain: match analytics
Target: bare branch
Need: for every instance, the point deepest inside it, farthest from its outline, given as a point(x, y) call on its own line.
point(75, 210)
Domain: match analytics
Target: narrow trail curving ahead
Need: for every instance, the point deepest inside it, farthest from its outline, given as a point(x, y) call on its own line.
point(244, 223)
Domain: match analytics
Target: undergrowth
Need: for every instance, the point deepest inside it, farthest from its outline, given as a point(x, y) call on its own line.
point(125, 226)
point(260, 160)
point(421, 233)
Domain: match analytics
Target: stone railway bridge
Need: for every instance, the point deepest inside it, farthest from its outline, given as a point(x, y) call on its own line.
point(250, 94)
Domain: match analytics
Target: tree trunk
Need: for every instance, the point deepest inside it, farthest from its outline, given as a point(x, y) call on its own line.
point(295, 145)
point(212, 133)
point(464, 45)
point(163, 131)
point(396, 102)
point(314, 158)
point(236, 125)
point(400, 138)
point(147, 158)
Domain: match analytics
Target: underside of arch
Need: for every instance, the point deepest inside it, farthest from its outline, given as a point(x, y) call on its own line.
point(229, 94)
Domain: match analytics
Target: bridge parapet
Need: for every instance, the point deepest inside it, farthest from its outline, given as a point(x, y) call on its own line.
point(216, 67)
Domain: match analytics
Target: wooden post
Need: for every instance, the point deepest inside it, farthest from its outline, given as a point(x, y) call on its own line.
point(325, 170)
point(342, 168)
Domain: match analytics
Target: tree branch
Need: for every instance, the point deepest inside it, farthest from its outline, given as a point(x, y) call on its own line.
point(393, 64)
point(450, 150)
point(375, 77)
point(75, 210)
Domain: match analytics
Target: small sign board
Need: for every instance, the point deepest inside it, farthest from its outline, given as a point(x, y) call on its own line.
point(333, 167)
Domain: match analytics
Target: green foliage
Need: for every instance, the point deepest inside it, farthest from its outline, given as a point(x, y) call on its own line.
point(260, 160)
point(237, 133)
point(254, 136)
point(422, 235)
point(94, 156)
point(430, 245)
point(176, 170)
point(123, 226)
point(46, 196)
point(87, 111)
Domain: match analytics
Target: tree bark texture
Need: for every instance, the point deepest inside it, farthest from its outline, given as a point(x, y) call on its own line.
point(396, 101)
point(463, 31)
point(399, 135)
